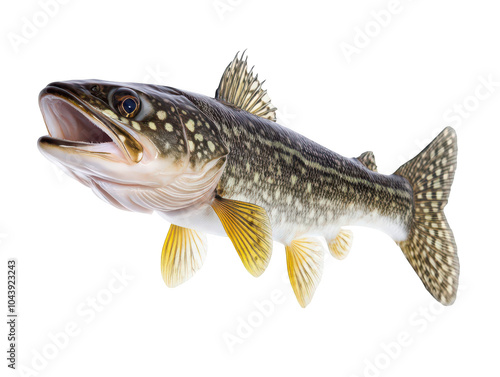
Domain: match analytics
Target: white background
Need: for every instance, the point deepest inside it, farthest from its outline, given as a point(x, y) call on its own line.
point(392, 97)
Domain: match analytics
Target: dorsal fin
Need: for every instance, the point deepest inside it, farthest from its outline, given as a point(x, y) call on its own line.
point(368, 159)
point(242, 89)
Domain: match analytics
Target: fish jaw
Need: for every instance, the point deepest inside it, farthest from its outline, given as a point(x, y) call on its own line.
point(69, 118)
point(90, 146)
point(169, 158)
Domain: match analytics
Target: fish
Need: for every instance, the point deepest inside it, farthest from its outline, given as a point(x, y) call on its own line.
point(222, 165)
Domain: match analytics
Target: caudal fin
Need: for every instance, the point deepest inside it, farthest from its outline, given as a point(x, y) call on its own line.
point(430, 247)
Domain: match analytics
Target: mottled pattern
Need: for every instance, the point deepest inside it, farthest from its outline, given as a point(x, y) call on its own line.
point(297, 180)
point(175, 127)
point(431, 248)
point(250, 170)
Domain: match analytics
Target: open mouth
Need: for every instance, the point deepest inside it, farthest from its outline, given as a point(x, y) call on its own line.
point(73, 126)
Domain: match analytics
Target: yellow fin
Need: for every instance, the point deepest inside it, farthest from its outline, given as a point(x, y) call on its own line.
point(241, 88)
point(183, 254)
point(340, 246)
point(304, 260)
point(248, 227)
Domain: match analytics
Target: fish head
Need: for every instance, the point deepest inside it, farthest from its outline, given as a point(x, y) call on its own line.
point(127, 135)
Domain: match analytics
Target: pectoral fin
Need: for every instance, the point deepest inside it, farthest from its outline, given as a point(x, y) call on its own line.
point(183, 254)
point(248, 227)
point(304, 260)
point(339, 247)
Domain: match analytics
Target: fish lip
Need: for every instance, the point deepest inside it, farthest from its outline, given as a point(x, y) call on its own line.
point(130, 148)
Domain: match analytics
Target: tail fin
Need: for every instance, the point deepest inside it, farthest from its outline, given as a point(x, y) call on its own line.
point(430, 247)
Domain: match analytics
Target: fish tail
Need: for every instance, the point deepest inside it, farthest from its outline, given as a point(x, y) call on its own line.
point(430, 247)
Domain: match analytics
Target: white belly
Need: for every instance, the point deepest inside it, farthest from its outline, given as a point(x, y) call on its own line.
point(201, 217)
point(205, 220)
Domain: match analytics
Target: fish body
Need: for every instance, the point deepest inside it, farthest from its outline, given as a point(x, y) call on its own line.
point(305, 188)
point(224, 166)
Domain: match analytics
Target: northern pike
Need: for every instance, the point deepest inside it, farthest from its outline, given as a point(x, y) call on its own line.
point(224, 166)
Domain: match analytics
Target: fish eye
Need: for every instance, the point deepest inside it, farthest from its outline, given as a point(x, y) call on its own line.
point(129, 105)
point(127, 102)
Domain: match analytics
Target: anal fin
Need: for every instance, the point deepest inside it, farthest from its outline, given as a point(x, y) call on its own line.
point(183, 254)
point(247, 226)
point(304, 259)
point(339, 247)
